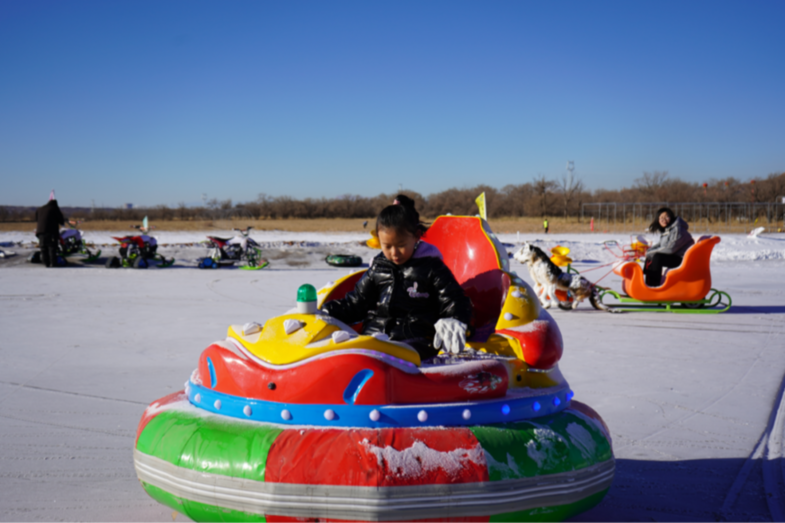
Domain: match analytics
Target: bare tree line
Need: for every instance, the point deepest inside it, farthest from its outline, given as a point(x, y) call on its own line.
point(541, 197)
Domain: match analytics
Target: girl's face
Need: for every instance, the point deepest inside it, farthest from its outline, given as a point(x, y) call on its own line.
point(664, 220)
point(397, 246)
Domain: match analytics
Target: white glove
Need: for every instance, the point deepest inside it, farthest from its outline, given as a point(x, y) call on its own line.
point(451, 333)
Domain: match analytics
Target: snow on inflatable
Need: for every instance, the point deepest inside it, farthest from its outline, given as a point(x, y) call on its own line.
point(304, 418)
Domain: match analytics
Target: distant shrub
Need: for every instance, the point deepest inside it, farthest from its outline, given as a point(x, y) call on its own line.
point(541, 197)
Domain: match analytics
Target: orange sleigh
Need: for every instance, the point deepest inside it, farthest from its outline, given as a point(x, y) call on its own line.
point(686, 288)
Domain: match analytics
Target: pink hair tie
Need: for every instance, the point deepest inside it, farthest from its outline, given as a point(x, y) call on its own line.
point(396, 202)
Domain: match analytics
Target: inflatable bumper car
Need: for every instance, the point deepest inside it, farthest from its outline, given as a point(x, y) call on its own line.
point(304, 418)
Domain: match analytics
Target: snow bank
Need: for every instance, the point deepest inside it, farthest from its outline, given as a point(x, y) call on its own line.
point(584, 248)
point(591, 248)
point(266, 238)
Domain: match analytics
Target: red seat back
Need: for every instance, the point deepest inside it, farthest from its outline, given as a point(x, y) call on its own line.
point(478, 261)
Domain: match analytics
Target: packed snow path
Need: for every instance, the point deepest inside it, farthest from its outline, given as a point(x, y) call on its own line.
point(688, 398)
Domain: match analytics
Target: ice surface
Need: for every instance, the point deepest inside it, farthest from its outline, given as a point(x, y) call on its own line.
point(85, 350)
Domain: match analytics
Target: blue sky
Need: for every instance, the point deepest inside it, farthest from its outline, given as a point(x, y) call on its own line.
point(156, 102)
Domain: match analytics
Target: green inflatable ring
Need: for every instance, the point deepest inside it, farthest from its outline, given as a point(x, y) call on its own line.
point(215, 468)
point(343, 260)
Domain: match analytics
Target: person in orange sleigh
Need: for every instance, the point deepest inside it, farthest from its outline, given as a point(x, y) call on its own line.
point(669, 251)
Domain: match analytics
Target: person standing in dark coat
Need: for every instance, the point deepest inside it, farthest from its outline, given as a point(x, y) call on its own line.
point(408, 293)
point(49, 218)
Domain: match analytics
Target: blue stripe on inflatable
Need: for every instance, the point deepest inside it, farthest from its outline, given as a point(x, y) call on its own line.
point(213, 380)
point(500, 410)
point(356, 385)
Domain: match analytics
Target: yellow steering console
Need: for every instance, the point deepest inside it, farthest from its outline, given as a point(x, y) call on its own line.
point(296, 337)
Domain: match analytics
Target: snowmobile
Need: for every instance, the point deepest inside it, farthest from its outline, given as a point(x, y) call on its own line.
point(138, 251)
point(229, 251)
point(71, 243)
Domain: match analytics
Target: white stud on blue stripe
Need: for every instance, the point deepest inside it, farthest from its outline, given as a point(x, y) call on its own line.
point(467, 414)
point(375, 415)
point(217, 404)
point(286, 415)
point(422, 416)
point(247, 410)
point(198, 398)
point(329, 414)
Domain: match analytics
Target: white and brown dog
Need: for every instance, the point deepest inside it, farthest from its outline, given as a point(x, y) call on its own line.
point(548, 278)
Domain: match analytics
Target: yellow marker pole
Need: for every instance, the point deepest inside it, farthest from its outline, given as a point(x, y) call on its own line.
point(480, 201)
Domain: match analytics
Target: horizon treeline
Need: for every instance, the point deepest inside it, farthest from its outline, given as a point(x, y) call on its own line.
point(540, 197)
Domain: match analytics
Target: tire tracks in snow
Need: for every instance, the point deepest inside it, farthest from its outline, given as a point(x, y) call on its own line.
point(212, 286)
point(80, 394)
point(128, 434)
point(769, 448)
point(711, 403)
point(39, 373)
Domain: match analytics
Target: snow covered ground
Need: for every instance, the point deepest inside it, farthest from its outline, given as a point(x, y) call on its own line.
point(690, 399)
point(301, 249)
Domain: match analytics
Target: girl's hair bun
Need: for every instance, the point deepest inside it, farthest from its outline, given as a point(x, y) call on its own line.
point(401, 216)
point(404, 200)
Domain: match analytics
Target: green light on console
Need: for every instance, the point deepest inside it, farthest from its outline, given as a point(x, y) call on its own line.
point(306, 299)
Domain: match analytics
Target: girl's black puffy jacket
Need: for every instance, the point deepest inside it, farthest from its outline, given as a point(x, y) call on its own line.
point(404, 301)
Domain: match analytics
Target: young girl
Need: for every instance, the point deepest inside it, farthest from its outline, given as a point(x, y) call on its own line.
point(408, 292)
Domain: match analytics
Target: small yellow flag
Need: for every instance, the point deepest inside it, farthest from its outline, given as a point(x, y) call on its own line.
point(480, 201)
